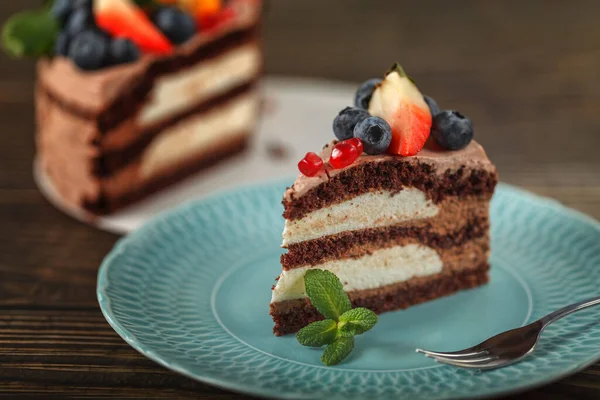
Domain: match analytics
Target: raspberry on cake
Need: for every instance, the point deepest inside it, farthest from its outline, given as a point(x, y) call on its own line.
point(137, 95)
point(396, 230)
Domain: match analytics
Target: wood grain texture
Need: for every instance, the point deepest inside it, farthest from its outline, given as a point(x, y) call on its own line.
point(526, 72)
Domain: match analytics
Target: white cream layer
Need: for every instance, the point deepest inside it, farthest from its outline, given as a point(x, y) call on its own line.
point(369, 210)
point(201, 133)
point(382, 267)
point(177, 92)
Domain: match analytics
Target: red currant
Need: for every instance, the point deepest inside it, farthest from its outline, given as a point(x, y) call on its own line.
point(356, 142)
point(311, 164)
point(343, 154)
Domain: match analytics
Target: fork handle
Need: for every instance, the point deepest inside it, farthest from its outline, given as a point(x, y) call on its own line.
point(563, 312)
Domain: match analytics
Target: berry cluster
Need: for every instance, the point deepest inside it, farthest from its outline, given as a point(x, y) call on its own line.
point(390, 116)
point(99, 33)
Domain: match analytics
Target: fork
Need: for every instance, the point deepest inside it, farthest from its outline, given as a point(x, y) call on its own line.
point(508, 347)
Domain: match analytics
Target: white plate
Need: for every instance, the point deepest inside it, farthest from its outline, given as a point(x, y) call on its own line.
point(298, 115)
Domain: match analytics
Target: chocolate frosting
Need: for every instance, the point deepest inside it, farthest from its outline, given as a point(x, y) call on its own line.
point(473, 157)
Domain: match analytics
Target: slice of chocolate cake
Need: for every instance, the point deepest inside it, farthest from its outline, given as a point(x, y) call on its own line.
point(134, 99)
point(397, 230)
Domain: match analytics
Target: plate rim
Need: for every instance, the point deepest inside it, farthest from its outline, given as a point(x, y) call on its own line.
point(118, 249)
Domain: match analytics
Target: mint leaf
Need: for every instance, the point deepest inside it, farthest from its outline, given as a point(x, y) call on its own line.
point(357, 321)
point(326, 293)
point(30, 33)
point(337, 351)
point(318, 333)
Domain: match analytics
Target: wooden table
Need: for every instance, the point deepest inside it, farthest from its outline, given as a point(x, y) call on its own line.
point(527, 73)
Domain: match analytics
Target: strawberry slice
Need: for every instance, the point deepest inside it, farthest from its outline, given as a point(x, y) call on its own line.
point(122, 18)
point(209, 22)
point(399, 102)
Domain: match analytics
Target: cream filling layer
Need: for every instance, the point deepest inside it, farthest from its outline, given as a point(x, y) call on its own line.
point(369, 210)
point(200, 133)
point(176, 92)
point(382, 267)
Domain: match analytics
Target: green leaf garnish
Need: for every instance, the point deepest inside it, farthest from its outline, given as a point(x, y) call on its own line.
point(398, 68)
point(30, 34)
point(318, 333)
point(337, 351)
point(326, 293)
point(357, 321)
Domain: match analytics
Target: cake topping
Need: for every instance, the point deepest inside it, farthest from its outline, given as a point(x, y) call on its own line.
point(398, 122)
point(356, 142)
point(342, 155)
point(123, 51)
point(346, 120)
point(452, 130)
point(433, 107)
point(399, 102)
point(177, 25)
point(122, 18)
point(375, 134)
point(89, 50)
point(311, 164)
point(342, 323)
point(364, 93)
point(61, 9)
point(55, 29)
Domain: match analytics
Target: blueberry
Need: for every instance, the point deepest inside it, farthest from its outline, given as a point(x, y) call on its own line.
point(61, 9)
point(177, 25)
point(452, 130)
point(375, 134)
point(433, 107)
point(61, 46)
point(364, 93)
point(80, 20)
point(346, 120)
point(123, 51)
point(89, 50)
point(87, 4)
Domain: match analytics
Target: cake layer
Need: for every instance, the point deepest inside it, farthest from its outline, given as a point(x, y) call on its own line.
point(385, 266)
point(199, 137)
point(139, 189)
point(373, 209)
point(291, 315)
point(376, 209)
point(175, 93)
point(353, 244)
point(191, 144)
point(437, 173)
point(118, 151)
point(199, 134)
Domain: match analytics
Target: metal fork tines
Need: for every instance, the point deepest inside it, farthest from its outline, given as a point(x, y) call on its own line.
point(508, 347)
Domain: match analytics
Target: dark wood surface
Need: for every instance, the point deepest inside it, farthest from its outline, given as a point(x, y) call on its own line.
point(527, 73)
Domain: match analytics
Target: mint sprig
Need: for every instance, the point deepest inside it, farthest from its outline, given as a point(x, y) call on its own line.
point(30, 34)
point(337, 351)
point(318, 333)
point(326, 293)
point(342, 323)
point(357, 321)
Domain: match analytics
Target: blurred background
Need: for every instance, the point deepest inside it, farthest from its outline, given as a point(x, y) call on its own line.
point(526, 72)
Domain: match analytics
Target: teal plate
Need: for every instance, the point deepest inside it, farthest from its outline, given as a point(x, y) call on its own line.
point(191, 291)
